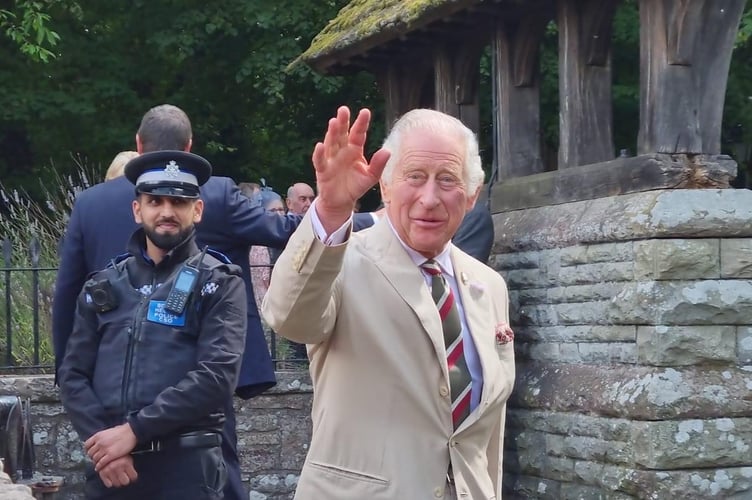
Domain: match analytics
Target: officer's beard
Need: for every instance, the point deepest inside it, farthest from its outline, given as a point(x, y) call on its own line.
point(168, 241)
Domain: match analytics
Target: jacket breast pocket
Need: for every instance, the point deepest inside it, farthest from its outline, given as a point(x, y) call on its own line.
point(505, 352)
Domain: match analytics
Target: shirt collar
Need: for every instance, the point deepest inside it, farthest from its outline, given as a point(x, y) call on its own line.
point(443, 259)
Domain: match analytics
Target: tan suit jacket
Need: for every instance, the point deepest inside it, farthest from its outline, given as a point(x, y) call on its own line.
point(382, 427)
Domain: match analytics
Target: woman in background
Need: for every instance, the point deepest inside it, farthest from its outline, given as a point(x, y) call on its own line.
point(259, 256)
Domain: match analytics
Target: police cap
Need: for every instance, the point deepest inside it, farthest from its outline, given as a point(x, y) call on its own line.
point(168, 173)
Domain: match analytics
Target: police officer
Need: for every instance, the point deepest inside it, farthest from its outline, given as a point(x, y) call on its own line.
point(156, 347)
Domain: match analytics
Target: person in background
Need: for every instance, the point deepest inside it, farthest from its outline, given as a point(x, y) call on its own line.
point(260, 256)
point(250, 189)
point(102, 221)
point(118, 164)
point(475, 236)
point(156, 347)
point(98, 231)
point(411, 355)
point(299, 198)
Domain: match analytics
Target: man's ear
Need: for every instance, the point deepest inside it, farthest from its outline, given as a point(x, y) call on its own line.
point(198, 210)
point(139, 145)
point(471, 200)
point(136, 206)
point(189, 145)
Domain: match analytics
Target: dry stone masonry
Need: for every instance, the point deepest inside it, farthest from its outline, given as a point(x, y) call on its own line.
point(633, 322)
point(273, 435)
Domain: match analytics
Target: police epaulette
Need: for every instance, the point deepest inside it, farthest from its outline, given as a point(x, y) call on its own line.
point(219, 256)
point(117, 260)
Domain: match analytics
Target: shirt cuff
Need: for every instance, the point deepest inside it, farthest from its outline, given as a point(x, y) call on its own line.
point(337, 237)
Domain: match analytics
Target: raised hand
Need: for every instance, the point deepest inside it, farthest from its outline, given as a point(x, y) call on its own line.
point(343, 174)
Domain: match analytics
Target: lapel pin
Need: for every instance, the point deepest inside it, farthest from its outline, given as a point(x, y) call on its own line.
point(463, 278)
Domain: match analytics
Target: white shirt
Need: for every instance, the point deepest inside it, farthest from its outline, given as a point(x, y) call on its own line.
point(445, 262)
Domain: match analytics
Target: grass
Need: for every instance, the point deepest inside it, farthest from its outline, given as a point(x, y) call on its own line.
point(31, 230)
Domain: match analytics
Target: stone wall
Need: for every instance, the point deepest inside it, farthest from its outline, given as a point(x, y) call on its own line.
point(633, 322)
point(273, 435)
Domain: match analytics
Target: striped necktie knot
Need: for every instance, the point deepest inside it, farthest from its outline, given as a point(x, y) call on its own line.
point(431, 267)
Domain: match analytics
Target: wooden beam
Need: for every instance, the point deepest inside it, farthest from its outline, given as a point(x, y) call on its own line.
point(615, 177)
point(516, 51)
point(585, 112)
point(402, 82)
point(685, 52)
point(456, 77)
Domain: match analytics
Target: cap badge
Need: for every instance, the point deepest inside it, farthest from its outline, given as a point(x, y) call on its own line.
point(172, 169)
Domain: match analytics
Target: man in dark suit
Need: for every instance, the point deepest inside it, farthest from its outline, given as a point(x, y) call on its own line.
point(102, 221)
point(475, 235)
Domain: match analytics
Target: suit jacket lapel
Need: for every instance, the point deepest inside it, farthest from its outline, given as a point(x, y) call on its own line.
point(395, 264)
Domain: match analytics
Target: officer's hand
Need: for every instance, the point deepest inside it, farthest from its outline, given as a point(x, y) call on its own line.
point(120, 472)
point(109, 444)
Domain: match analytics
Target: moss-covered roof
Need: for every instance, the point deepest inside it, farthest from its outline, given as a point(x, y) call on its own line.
point(364, 24)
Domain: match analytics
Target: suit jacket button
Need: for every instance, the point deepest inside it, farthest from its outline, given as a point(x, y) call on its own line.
point(438, 492)
point(443, 391)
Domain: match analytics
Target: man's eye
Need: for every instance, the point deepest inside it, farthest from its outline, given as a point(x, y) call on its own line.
point(415, 178)
point(448, 181)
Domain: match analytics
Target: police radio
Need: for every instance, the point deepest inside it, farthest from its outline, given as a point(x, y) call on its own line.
point(183, 287)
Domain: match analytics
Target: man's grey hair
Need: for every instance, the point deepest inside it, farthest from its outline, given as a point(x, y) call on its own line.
point(165, 127)
point(435, 121)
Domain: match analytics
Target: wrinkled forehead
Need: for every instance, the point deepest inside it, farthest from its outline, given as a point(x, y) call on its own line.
point(432, 151)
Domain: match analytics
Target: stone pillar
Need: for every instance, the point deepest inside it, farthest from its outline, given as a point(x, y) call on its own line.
point(633, 323)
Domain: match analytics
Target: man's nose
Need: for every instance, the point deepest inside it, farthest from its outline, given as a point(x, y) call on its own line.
point(429, 195)
point(168, 208)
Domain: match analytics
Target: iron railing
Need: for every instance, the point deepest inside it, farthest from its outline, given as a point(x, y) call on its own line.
point(26, 341)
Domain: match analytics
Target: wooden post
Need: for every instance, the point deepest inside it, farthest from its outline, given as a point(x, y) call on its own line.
point(403, 84)
point(585, 114)
point(685, 52)
point(516, 49)
point(456, 76)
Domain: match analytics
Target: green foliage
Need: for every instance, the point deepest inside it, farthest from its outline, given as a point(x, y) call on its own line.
point(224, 66)
point(745, 27)
point(28, 26)
point(227, 66)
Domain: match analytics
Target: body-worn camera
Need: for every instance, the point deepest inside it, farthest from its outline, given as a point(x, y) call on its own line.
point(103, 297)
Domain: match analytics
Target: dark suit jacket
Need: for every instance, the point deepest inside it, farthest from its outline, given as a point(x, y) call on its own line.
point(101, 224)
point(475, 235)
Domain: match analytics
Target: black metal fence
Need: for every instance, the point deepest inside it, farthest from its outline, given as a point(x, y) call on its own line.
point(26, 316)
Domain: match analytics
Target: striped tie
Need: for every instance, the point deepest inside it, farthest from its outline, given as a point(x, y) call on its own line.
point(460, 381)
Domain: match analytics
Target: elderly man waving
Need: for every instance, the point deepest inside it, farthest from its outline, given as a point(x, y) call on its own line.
point(412, 360)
